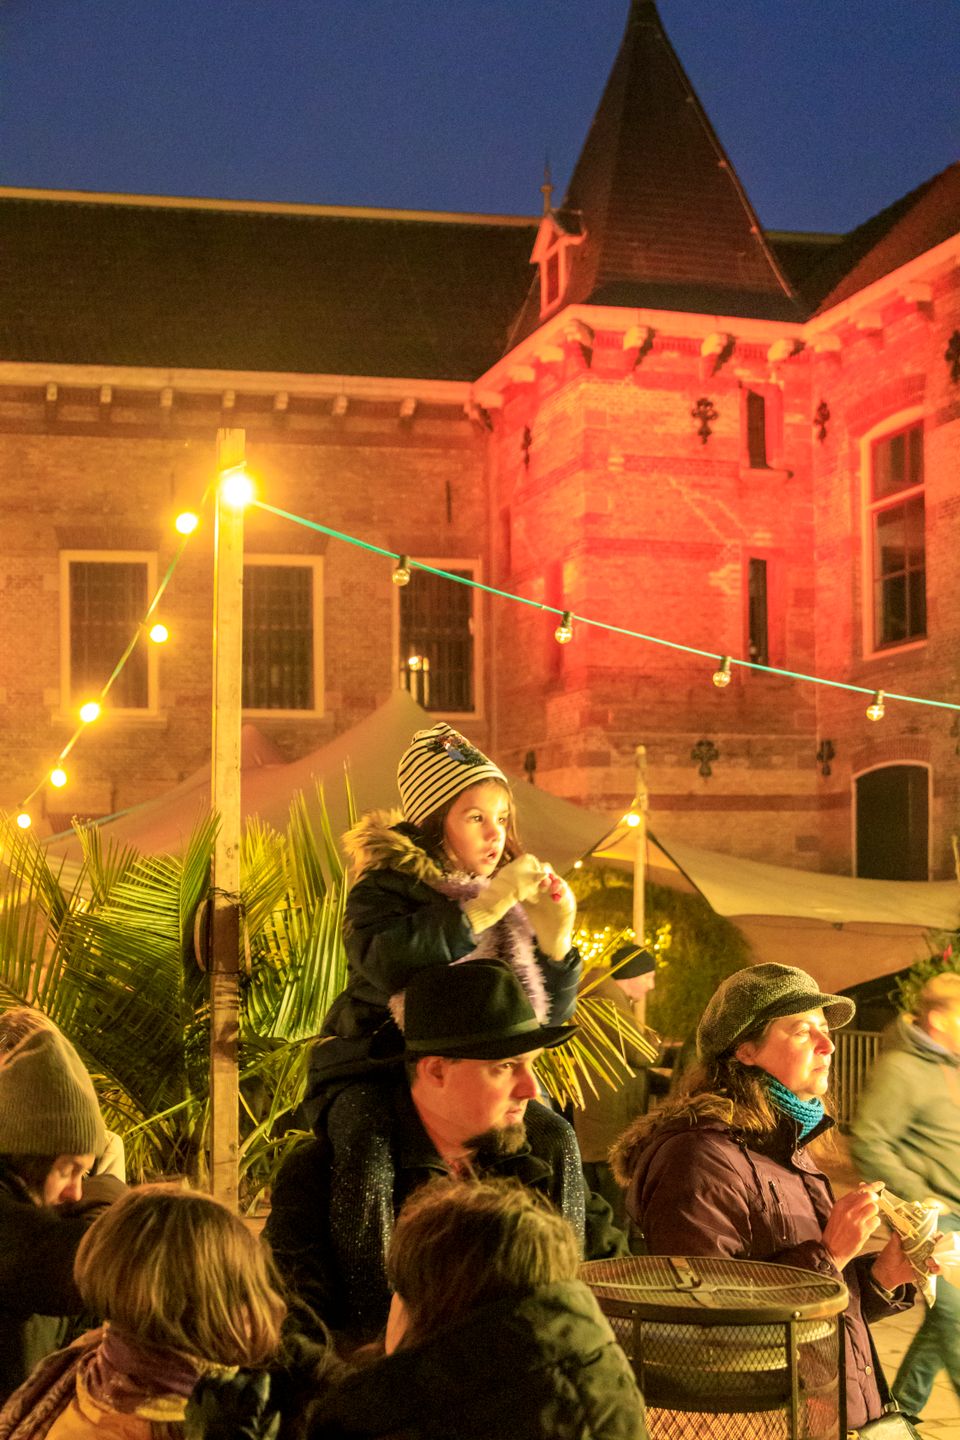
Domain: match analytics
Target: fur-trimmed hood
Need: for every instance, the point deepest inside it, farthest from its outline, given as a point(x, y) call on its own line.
point(638, 1144)
point(383, 840)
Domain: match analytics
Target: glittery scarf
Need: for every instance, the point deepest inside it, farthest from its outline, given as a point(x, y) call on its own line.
point(807, 1113)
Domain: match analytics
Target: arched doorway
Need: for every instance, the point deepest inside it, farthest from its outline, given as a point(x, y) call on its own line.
point(893, 823)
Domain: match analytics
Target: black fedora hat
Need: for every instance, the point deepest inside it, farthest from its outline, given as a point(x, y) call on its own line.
point(473, 1011)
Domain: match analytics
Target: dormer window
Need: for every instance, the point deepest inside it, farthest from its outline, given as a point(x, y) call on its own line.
point(557, 237)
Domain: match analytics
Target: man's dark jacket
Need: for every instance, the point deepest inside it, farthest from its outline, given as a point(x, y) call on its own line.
point(546, 1367)
point(37, 1248)
point(332, 1251)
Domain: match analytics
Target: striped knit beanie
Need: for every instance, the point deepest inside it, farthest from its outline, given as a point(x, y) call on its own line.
point(436, 766)
point(48, 1105)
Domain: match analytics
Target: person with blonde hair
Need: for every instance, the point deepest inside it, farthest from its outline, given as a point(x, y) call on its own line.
point(907, 1133)
point(52, 1136)
point(184, 1289)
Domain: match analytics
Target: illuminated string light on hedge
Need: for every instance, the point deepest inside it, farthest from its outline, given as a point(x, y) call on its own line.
point(564, 631)
point(876, 709)
point(722, 676)
point(401, 571)
point(472, 584)
point(185, 524)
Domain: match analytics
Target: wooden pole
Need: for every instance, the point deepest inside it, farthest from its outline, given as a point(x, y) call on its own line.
point(224, 963)
point(640, 805)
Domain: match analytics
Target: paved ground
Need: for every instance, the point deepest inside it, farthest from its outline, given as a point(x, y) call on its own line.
point(941, 1416)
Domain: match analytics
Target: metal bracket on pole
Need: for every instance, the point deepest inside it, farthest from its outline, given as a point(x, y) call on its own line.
point(224, 960)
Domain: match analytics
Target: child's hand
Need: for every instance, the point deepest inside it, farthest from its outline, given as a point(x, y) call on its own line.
point(516, 882)
point(552, 913)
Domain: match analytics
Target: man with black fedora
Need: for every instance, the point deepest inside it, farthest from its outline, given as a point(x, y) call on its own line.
point(466, 1105)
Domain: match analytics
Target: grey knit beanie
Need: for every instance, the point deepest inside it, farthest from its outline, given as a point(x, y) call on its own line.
point(435, 767)
point(750, 998)
point(48, 1105)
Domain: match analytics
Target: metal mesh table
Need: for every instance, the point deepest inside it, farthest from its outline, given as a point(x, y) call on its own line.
point(728, 1349)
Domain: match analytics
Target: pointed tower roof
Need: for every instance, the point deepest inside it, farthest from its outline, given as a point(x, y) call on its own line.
point(666, 223)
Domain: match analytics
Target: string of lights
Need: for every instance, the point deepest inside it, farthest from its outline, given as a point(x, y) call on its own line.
point(186, 525)
point(564, 633)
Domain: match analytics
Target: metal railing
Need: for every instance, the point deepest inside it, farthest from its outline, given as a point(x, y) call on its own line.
point(855, 1054)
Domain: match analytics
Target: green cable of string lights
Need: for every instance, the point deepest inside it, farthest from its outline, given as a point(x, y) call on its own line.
point(115, 672)
point(597, 624)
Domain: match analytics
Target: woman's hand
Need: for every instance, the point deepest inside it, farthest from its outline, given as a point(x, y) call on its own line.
point(852, 1221)
point(891, 1269)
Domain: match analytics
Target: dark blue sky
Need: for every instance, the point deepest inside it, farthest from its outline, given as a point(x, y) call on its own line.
point(830, 109)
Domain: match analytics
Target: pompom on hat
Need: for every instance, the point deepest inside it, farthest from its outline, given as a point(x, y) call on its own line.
point(436, 766)
point(750, 998)
point(48, 1105)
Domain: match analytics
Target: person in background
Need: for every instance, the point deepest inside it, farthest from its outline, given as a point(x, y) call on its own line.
point(605, 1115)
point(907, 1133)
point(724, 1167)
point(185, 1290)
point(52, 1136)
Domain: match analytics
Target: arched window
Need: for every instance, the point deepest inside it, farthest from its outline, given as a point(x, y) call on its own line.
point(892, 823)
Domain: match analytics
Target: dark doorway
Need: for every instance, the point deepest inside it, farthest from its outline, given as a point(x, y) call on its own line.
point(892, 823)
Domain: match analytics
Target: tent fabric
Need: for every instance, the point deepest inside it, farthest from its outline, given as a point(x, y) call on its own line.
point(554, 829)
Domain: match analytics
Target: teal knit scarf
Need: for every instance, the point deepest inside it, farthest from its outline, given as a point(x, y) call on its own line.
point(807, 1113)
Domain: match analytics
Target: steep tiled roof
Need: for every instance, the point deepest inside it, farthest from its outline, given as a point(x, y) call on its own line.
point(916, 223)
point(667, 222)
point(290, 289)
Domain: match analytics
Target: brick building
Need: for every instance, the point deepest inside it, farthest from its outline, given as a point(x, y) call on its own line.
point(638, 407)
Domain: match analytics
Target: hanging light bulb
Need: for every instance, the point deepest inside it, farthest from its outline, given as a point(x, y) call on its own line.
point(876, 709)
point(89, 711)
point(415, 662)
point(722, 676)
point(401, 572)
point(58, 777)
point(236, 487)
point(186, 523)
point(23, 820)
point(632, 819)
point(159, 634)
point(564, 631)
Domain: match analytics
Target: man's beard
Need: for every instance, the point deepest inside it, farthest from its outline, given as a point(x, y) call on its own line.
point(500, 1141)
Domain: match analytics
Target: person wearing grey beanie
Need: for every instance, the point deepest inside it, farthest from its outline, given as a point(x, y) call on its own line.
point(724, 1167)
point(51, 1135)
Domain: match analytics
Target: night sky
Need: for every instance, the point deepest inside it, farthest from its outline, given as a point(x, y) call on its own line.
point(829, 109)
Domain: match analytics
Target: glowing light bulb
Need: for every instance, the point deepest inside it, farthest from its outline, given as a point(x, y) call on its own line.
point(415, 662)
point(236, 487)
point(186, 523)
point(578, 864)
point(564, 631)
point(58, 777)
point(876, 709)
point(90, 711)
point(23, 820)
point(722, 676)
point(632, 819)
point(159, 634)
point(401, 573)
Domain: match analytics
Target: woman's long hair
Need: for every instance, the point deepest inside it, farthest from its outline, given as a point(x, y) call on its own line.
point(177, 1271)
point(462, 1244)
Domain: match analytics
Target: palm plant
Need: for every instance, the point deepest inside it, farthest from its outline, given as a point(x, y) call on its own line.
point(107, 950)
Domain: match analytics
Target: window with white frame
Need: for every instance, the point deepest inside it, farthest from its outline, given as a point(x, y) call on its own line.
point(104, 597)
point(437, 632)
point(282, 656)
point(897, 545)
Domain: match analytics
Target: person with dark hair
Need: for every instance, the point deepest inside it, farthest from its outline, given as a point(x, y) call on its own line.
point(467, 1106)
point(441, 882)
point(907, 1133)
point(51, 1136)
point(724, 1167)
point(184, 1288)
